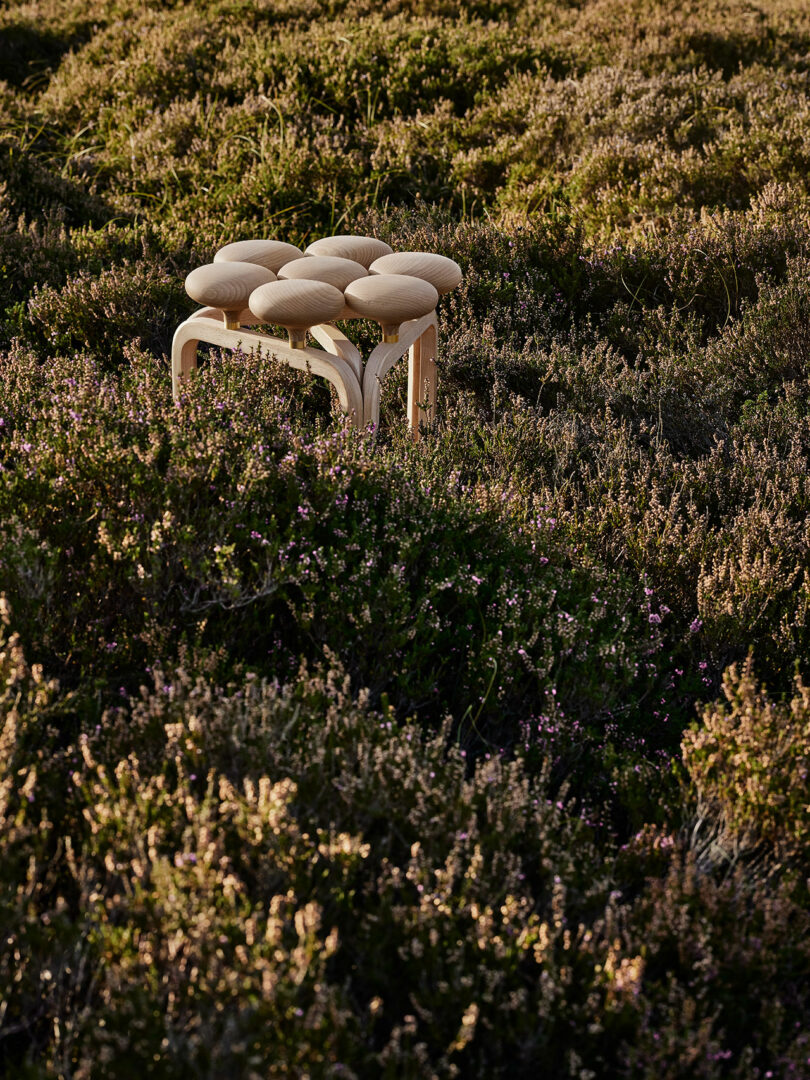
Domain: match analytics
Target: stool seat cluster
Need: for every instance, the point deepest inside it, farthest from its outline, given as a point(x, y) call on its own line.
point(252, 283)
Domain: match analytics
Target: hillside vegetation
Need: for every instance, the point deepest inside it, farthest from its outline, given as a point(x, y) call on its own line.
point(331, 754)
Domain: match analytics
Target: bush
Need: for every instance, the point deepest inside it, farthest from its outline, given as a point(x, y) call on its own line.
point(748, 762)
point(402, 796)
point(140, 523)
point(141, 304)
point(232, 876)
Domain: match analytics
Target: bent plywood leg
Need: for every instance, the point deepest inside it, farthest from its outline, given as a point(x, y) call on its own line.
point(336, 342)
point(421, 403)
point(184, 356)
point(383, 359)
point(204, 328)
point(428, 347)
point(414, 383)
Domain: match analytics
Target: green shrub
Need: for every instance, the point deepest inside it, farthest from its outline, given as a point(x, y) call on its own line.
point(105, 313)
point(139, 523)
point(748, 762)
point(233, 875)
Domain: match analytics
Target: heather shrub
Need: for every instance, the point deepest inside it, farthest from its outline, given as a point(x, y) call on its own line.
point(766, 348)
point(39, 938)
point(233, 875)
point(365, 854)
point(30, 255)
point(139, 523)
point(625, 147)
point(719, 539)
point(44, 254)
point(410, 791)
point(140, 304)
point(27, 187)
point(675, 332)
point(75, 989)
point(686, 431)
point(748, 762)
point(546, 107)
point(702, 939)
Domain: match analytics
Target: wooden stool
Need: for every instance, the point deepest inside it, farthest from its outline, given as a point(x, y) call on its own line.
point(331, 281)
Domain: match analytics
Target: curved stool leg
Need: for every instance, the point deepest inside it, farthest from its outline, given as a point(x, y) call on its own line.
point(422, 380)
point(430, 350)
point(184, 356)
point(335, 342)
point(334, 368)
point(414, 382)
point(383, 359)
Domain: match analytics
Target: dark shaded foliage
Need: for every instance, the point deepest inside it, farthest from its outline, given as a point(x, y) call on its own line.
point(377, 758)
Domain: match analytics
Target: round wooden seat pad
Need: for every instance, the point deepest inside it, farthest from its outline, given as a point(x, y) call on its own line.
point(296, 303)
point(270, 253)
point(443, 273)
point(391, 298)
point(329, 268)
point(226, 286)
point(362, 249)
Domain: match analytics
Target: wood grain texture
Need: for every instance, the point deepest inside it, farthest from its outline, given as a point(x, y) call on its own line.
point(391, 298)
point(383, 358)
point(296, 304)
point(336, 342)
point(270, 253)
point(442, 273)
point(226, 286)
point(422, 379)
point(329, 268)
point(363, 249)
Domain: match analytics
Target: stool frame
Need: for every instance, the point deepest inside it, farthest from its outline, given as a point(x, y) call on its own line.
point(358, 383)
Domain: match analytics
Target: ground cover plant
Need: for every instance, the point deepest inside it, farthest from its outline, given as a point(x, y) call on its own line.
point(331, 754)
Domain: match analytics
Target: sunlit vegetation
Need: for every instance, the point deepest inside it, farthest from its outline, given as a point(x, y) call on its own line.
point(335, 754)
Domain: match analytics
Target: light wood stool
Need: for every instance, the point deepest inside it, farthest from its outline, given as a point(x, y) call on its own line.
point(240, 289)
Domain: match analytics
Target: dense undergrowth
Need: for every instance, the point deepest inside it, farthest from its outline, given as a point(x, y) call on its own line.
point(328, 754)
